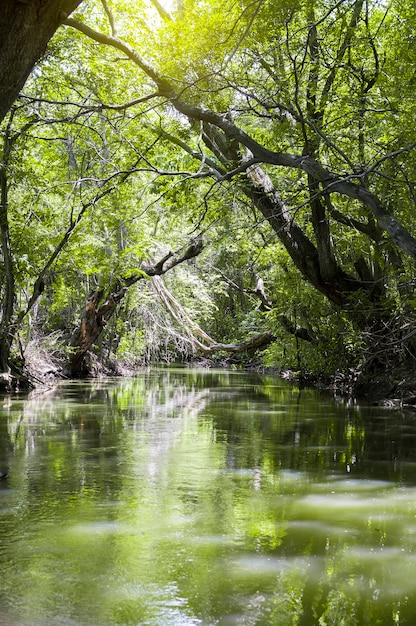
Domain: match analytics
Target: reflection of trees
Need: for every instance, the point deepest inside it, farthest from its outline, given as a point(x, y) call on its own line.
point(183, 481)
point(85, 426)
point(5, 444)
point(284, 428)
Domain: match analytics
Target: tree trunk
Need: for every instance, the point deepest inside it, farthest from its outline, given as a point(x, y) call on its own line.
point(7, 277)
point(93, 320)
point(4, 354)
point(94, 317)
point(25, 30)
point(26, 26)
point(305, 255)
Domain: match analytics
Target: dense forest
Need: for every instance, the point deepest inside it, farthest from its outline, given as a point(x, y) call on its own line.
point(229, 179)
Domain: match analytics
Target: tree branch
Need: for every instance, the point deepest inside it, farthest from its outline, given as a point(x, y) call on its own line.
point(165, 15)
point(172, 259)
point(110, 18)
point(331, 182)
point(39, 282)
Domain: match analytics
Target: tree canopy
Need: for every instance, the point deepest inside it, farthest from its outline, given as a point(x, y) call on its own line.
point(263, 152)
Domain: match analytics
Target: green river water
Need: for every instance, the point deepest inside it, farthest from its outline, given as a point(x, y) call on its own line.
point(184, 497)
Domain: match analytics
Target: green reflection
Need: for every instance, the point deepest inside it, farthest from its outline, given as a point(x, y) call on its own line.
point(205, 497)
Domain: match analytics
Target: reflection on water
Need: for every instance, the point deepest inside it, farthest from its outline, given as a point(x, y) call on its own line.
point(185, 497)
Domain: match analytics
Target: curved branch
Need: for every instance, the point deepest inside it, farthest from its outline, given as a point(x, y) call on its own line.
point(110, 16)
point(331, 182)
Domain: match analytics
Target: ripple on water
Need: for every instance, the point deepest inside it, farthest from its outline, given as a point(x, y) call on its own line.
point(391, 569)
point(334, 501)
point(313, 528)
point(214, 540)
point(263, 565)
point(340, 483)
point(100, 528)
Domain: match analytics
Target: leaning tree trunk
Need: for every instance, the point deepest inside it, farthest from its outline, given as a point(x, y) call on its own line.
point(100, 308)
point(25, 30)
point(7, 275)
point(93, 319)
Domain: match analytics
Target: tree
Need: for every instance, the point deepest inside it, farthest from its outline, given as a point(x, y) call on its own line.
point(25, 30)
point(254, 100)
point(101, 306)
point(265, 113)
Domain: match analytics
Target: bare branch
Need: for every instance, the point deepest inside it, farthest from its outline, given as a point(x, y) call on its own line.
point(326, 91)
point(164, 14)
point(91, 107)
point(172, 259)
point(110, 17)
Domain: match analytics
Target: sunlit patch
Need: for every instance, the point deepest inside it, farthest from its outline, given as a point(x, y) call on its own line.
point(98, 528)
point(151, 605)
point(252, 566)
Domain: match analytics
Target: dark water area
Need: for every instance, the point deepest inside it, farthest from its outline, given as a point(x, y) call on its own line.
point(184, 497)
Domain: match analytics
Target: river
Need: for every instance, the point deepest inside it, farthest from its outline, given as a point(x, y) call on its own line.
point(189, 497)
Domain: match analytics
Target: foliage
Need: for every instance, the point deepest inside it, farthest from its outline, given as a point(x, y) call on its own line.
point(134, 134)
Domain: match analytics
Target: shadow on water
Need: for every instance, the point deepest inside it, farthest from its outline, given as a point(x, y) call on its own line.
point(184, 497)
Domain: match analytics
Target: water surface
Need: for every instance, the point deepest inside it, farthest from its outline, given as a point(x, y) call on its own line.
point(184, 497)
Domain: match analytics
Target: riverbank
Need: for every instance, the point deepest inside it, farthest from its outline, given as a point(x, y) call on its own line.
point(389, 386)
point(393, 387)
